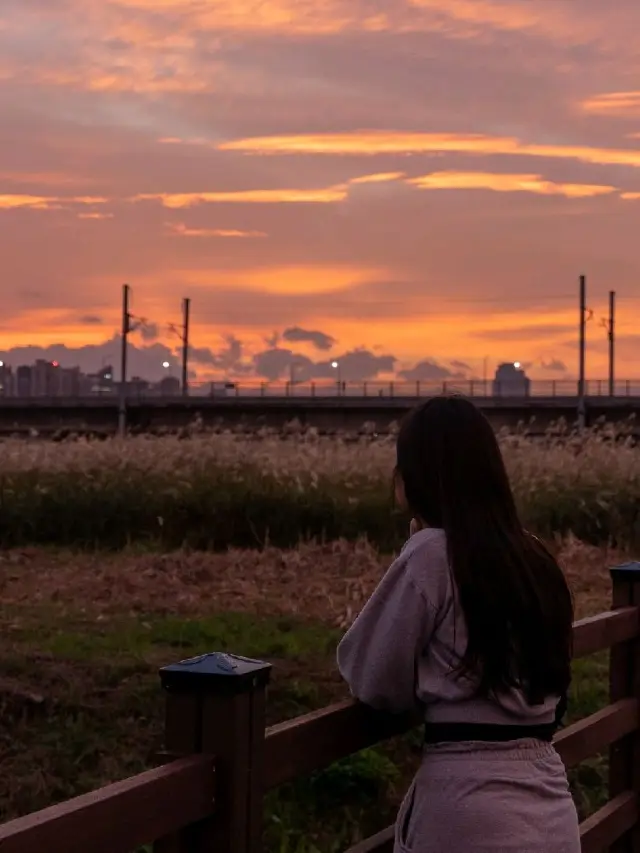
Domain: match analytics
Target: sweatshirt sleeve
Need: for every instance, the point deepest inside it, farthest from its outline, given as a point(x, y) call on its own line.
point(377, 656)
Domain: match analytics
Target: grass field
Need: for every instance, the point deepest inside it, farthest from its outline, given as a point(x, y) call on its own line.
point(219, 491)
point(83, 634)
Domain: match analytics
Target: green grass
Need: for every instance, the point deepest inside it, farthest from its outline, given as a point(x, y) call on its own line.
point(102, 718)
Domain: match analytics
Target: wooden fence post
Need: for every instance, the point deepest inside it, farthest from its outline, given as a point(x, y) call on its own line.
point(216, 705)
point(624, 676)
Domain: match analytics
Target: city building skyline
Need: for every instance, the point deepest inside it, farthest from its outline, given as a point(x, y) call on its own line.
point(44, 379)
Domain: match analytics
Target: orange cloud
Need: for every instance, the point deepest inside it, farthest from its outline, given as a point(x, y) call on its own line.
point(375, 142)
point(630, 196)
point(286, 280)
point(501, 16)
point(506, 183)
point(452, 18)
point(95, 215)
point(182, 230)
point(300, 16)
point(285, 196)
point(379, 178)
point(85, 199)
point(613, 104)
point(8, 202)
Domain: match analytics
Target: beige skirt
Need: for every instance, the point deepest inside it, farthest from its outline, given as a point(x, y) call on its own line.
point(489, 798)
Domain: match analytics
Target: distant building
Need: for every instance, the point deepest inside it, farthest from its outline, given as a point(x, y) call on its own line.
point(48, 379)
point(137, 387)
point(511, 381)
point(45, 378)
point(101, 383)
point(69, 382)
point(7, 380)
point(105, 376)
point(24, 381)
point(169, 386)
point(222, 389)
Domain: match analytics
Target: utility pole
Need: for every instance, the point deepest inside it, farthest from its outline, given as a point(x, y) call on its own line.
point(186, 304)
point(582, 412)
point(183, 334)
point(126, 328)
point(611, 330)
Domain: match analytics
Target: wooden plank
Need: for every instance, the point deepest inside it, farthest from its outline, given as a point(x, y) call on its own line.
point(233, 727)
point(182, 736)
point(255, 792)
point(594, 733)
point(121, 816)
point(381, 842)
point(608, 824)
point(315, 740)
point(597, 633)
point(623, 667)
point(307, 743)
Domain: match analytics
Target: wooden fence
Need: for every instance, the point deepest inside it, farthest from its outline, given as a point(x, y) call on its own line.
point(220, 759)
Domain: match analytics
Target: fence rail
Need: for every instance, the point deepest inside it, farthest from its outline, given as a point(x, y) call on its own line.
point(215, 733)
point(477, 388)
point(121, 816)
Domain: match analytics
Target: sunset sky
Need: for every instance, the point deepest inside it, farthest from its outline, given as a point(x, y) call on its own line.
point(409, 186)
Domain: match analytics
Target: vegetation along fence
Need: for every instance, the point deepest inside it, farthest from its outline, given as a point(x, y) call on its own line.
point(220, 761)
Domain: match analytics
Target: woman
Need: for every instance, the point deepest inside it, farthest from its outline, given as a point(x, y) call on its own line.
point(472, 624)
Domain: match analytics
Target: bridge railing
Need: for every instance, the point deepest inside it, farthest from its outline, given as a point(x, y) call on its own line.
point(418, 389)
point(323, 388)
point(220, 759)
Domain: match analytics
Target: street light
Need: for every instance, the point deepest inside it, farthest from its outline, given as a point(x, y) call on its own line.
point(336, 366)
point(516, 364)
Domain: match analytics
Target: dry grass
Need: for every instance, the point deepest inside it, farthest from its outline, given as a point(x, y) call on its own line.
point(324, 583)
point(305, 453)
point(220, 491)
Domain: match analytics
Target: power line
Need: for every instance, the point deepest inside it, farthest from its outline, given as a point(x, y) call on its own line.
point(582, 326)
point(129, 324)
point(609, 325)
point(126, 326)
point(186, 305)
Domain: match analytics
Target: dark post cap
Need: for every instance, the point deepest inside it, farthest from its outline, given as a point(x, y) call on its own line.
point(629, 572)
point(215, 672)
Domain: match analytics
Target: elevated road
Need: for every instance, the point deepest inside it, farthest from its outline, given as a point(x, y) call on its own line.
point(100, 414)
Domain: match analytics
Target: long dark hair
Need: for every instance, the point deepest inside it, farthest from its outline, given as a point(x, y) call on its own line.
point(515, 599)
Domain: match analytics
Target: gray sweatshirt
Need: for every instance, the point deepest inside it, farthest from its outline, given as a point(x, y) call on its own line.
point(401, 651)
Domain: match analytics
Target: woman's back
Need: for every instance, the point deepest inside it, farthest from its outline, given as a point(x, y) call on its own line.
point(419, 589)
point(471, 624)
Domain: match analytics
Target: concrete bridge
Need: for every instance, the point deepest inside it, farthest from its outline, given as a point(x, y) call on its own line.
point(50, 415)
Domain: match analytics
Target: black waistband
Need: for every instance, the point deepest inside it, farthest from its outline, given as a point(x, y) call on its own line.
point(453, 732)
